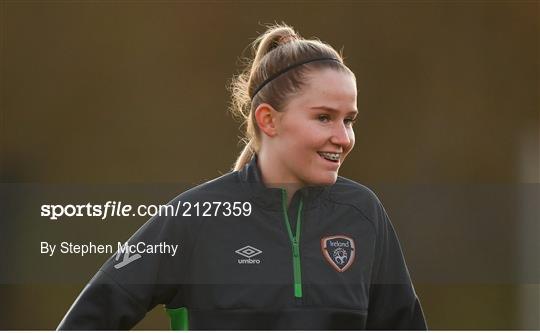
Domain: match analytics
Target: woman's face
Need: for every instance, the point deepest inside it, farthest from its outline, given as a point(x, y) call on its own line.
point(315, 131)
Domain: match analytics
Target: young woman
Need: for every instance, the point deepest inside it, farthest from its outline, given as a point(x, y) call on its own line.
point(281, 242)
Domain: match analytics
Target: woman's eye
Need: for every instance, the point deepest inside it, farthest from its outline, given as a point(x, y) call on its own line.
point(350, 121)
point(324, 118)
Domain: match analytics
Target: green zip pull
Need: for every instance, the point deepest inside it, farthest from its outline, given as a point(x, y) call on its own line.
point(295, 243)
point(179, 319)
point(297, 270)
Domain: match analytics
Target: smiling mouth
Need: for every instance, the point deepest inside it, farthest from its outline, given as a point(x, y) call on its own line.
point(332, 157)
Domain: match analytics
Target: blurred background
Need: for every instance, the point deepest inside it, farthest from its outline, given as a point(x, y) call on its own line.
point(127, 100)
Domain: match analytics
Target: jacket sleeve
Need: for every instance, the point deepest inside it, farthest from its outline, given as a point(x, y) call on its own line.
point(393, 303)
point(128, 286)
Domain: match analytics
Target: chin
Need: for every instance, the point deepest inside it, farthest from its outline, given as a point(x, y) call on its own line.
point(323, 180)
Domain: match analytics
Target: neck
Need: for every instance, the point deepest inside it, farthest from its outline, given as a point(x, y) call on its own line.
point(274, 177)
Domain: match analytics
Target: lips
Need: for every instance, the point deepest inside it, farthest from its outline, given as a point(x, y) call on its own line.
point(330, 156)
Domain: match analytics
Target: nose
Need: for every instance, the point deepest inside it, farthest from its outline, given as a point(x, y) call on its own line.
point(342, 136)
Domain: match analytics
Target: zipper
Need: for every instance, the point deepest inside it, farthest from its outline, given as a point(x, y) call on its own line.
point(295, 243)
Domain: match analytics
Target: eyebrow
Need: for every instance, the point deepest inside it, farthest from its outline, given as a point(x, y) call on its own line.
point(327, 108)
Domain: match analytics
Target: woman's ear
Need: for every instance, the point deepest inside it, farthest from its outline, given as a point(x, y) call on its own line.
point(266, 118)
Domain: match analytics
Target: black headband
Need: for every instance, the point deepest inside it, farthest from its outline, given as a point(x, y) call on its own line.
point(287, 69)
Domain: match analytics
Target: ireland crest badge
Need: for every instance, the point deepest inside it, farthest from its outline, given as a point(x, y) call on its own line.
point(338, 251)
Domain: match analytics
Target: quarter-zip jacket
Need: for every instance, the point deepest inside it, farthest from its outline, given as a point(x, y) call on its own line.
point(331, 260)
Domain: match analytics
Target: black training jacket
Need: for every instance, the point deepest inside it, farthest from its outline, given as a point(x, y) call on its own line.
point(329, 261)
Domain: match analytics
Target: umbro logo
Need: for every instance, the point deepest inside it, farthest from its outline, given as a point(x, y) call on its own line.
point(248, 252)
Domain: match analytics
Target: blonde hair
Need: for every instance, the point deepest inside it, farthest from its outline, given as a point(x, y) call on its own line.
point(277, 48)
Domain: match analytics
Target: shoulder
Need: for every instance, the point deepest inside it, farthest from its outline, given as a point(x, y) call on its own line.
point(350, 193)
point(225, 186)
point(189, 204)
point(350, 190)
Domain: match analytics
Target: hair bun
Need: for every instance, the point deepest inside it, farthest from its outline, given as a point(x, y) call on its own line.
point(287, 39)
